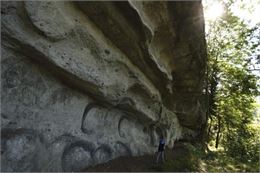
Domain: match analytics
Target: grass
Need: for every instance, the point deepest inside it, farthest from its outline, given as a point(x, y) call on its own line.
point(219, 161)
point(195, 159)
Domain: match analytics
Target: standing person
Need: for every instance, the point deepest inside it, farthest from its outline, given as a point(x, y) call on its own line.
point(160, 154)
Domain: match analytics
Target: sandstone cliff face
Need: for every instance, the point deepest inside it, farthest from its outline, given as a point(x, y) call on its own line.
point(86, 82)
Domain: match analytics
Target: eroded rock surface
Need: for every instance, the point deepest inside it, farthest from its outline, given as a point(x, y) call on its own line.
point(86, 82)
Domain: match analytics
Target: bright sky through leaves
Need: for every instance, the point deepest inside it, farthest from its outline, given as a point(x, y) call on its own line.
point(247, 10)
point(213, 11)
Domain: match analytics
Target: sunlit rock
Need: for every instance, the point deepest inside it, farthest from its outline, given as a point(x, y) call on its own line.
point(86, 82)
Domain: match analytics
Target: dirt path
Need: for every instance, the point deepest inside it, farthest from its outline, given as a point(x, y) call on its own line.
point(141, 163)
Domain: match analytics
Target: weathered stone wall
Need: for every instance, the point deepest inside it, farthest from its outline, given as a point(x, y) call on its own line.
point(85, 82)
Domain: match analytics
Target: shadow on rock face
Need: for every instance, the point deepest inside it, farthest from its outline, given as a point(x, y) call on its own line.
point(102, 154)
point(77, 155)
point(122, 149)
point(22, 150)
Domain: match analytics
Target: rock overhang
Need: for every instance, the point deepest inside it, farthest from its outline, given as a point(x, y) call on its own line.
point(68, 67)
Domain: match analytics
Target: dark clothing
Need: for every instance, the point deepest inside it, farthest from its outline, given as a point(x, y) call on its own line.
point(160, 155)
point(161, 145)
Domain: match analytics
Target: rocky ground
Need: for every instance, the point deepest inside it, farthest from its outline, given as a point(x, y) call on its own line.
point(145, 163)
point(183, 158)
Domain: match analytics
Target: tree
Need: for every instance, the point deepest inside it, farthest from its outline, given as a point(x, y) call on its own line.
point(233, 50)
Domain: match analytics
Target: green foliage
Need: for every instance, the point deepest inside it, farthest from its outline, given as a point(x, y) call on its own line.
point(193, 158)
point(233, 49)
point(245, 148)
point(219, 161)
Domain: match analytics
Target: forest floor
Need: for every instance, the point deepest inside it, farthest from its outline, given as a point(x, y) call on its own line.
point(183, 158)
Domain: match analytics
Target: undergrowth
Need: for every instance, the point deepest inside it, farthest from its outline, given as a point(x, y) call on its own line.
point(193, 158)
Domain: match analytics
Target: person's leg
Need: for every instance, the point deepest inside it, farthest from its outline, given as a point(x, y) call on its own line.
point(158, 156)
point(163, 156)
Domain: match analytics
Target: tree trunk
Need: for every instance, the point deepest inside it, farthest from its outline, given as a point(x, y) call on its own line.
point(209, 129)
point(218, 133)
